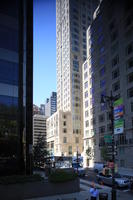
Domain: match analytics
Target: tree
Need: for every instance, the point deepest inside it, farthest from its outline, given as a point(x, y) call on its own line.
point(40, 152)
point(90, 153)
point(104, 153)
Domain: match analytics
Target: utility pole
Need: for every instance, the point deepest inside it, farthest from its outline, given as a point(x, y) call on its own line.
point(110, 101)
point(77, 160)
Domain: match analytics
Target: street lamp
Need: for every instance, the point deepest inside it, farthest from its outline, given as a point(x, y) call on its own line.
point(110, 101)
point(77, 160)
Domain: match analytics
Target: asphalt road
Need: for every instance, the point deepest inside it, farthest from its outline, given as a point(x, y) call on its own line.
point(91, 176)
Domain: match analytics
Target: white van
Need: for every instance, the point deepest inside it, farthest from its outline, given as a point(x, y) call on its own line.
point(98, 167)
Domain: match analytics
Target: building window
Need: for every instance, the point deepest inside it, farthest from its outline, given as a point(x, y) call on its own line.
point(65, 130)
point(64, 140)
point(93, 121)
point(130, 92)
point(70, 150)
point(86, 84)
point(100, 39)
point(121, 150)
point(92, 111)
point(91, 90)
point(102, 83)
point(109, 127)
point(122, 163)
point(87, 133)
point(86, 94)
point(76, 49)
point(115, 73)
point(130, 78)
point(76, 140)
point(102, 60)
point(102, 72)
point(102, 129)
point(64, 123)
point(131, 106)
point(129, 48)
point(84, 53)
point(85, 75)
point(86, 104)
point(115, 61)
point(114, 48)
point(130, 63)
point(116, 86)
point(86, 113)
point(101, 118)
point(87, 123)
point(109, 116)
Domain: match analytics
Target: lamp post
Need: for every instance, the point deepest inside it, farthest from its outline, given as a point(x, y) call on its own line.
point(77, 160)
point(110, 101)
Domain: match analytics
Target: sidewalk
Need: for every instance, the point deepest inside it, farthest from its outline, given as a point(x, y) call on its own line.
point(82, 195)
point(85, 195)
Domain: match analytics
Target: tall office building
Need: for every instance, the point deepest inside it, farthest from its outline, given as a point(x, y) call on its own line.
point(109, 67)
point(42, 109)
point(51, 105)
point(16, 62)
point(72, 20)
point(39, 128)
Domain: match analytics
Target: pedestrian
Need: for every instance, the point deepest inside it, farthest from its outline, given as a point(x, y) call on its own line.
point(93, 192)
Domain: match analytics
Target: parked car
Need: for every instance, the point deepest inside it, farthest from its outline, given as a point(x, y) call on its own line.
point(98, 167)
point(120, 181)
point(78, 169)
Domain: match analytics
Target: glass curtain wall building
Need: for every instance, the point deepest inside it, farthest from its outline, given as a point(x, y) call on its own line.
point(16, 58)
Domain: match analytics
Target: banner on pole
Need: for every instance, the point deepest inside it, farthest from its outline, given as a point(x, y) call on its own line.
point(118, 116)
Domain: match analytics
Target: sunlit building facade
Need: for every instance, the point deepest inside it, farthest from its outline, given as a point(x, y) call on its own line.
point(39, 128)
point(72, 20)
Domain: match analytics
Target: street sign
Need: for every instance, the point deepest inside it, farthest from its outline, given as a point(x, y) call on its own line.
point(118, 116)
point(108, 138)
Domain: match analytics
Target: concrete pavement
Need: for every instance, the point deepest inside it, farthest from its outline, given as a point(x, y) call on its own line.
point(84, 193)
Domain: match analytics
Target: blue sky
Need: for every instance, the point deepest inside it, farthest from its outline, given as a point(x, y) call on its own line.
point(44, 50)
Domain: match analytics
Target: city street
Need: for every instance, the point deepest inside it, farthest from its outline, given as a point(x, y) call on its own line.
point(91, 177)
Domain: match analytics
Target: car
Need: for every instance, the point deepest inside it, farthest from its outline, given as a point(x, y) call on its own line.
point(79, 169)
point(98, 167)
point(120, 181)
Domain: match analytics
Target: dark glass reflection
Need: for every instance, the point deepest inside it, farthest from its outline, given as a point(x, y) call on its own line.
point(8, 38)
point(8, 72)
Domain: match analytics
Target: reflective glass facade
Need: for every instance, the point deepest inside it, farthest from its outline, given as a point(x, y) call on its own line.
point(15, 90)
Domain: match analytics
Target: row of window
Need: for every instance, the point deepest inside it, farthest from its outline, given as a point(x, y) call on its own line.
point(76, 140)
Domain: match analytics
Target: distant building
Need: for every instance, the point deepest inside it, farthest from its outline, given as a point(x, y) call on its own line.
point(39, 127)
point(42, 109)
point(51, 104)
point(16, 86)
point(72, 20)
point(58, 131)
point(36, 109)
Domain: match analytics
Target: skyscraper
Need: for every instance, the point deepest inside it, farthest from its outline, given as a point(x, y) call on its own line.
point(109, 67)
point(72, 20)
point(51, 105)
point(16, 62)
